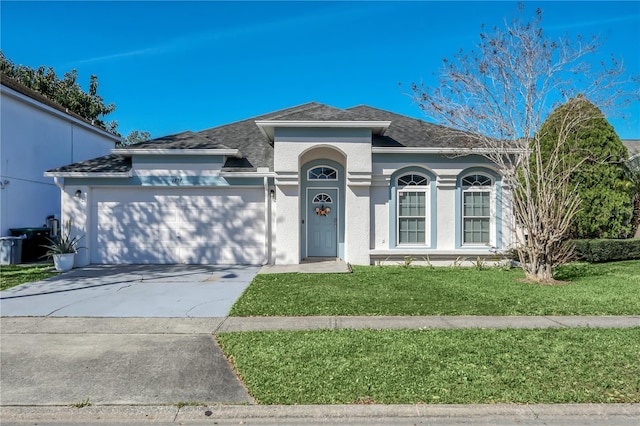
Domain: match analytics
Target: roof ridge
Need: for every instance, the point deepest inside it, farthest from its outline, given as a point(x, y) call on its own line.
point(258, 117)
point(300, 108)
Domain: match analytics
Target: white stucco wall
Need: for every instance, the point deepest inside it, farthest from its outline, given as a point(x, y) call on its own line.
point(446, 170)
point(35, 138)
point(76, 211)
point(357, 225)
point(293, 148)
point(286, 242)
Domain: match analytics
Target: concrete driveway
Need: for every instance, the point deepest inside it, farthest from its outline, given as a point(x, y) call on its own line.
point(132, 291)
point(105, 361)
point(120, 335)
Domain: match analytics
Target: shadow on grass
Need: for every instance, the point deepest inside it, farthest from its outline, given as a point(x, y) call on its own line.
point(575, 270)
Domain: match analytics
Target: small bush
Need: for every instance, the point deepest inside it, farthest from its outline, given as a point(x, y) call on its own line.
point(595, 251)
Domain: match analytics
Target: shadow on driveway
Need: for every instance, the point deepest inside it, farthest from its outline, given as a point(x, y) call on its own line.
point(132, 291)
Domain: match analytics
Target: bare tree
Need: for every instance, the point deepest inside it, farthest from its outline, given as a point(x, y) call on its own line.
point(498, 95)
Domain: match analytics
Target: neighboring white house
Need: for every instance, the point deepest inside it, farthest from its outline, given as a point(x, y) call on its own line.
point(633, 147)
point(361, 184)
point(37, 135)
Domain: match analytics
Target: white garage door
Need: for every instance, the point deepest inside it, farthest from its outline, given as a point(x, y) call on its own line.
point(178, 225)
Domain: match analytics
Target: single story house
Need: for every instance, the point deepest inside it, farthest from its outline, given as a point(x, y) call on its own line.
point(312, 181)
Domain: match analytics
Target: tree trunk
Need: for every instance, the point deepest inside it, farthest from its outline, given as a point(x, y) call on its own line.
point(538, 264)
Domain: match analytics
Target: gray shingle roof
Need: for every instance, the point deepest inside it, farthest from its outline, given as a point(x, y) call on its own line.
point(112, 163)
point(316, 112)
point(184, 140)
point(257, 151)
point(410, 132)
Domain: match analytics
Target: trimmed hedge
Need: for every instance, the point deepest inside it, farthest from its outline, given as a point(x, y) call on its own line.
point(602, 250)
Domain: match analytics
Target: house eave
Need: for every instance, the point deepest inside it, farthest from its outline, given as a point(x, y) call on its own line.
point(192, 152)
point(121, 175)
point(247, 174)
point(441, 150)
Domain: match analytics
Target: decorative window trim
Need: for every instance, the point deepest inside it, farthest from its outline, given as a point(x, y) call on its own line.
point(477, 183)
point(415, 183)
point(476, 180)
point(323, 173)
point(412, 179)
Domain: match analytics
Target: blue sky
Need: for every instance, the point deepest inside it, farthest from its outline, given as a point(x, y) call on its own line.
point(174, 66)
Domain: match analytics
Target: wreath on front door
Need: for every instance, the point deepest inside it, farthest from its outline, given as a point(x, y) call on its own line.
point(323, 211)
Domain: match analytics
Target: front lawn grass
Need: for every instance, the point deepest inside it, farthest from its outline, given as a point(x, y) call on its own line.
point(438, 366)
point(590, 289)
point(13, 275)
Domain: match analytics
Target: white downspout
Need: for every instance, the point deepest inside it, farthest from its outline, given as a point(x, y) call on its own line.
point(56, 180)
point(267, 222)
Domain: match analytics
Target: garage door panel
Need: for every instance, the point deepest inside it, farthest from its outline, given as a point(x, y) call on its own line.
point(120, 252)
point(249, 254)
point(200, 215)
point(187, 225)
point(138, 214)
point(200, 233)
point(199, 254)
point(152, 235)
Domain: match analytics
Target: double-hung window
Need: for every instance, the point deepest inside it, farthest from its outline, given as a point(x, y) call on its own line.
point(476, 209)
point(412, 199)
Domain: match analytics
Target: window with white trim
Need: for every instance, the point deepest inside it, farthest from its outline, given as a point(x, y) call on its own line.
point(476, 209)
point(412, 200)
point(322, 173)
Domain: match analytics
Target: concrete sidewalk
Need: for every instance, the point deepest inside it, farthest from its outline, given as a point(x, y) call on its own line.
point(75, 325)
point(422, 322)
point(137, 369)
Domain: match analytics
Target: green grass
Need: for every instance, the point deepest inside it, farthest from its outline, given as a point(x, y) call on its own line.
point(438, 366)
point(598, 289)
point(13, 275)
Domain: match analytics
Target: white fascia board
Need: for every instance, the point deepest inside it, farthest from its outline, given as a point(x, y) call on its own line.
point(134, 151)
point(247, 174)
point(89, 174)
point(26, 99)
point(420, 150)
point(267, 127)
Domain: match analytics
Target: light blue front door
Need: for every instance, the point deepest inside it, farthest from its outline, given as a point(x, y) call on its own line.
point(322, 222)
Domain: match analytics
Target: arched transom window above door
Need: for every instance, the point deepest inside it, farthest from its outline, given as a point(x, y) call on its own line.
point(322, 173)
